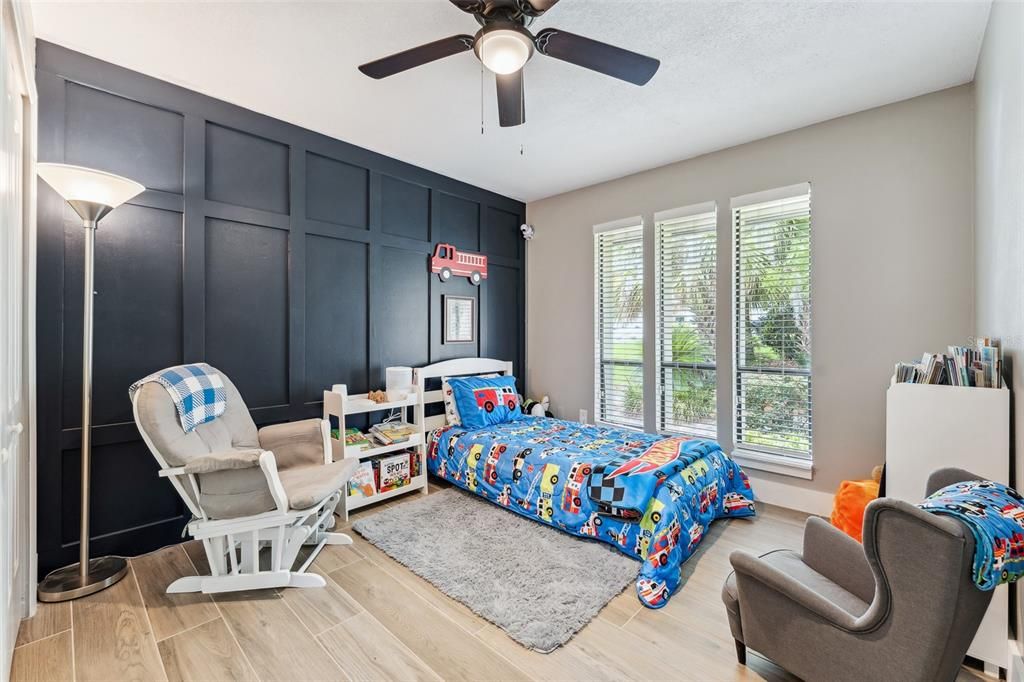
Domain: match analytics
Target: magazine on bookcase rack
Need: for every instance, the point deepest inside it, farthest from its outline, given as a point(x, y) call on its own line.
point(979, 366)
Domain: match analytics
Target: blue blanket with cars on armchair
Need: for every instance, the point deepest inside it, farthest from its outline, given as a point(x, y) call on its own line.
point(995, 515)
point(651, 497)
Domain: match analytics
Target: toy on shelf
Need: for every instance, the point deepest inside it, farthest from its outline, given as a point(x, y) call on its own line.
point(377, 396)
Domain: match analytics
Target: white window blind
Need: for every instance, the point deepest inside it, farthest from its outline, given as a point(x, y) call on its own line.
point(619, 269)
point(685, 284)
point(773, 325)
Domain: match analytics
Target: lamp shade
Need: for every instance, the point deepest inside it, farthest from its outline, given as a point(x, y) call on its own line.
point(76, 183)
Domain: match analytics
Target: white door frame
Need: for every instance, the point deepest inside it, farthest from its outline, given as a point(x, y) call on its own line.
point(18, 64)
point(25, 36)
point(20, 36)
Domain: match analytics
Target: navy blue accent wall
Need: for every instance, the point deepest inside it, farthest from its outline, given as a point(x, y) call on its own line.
point(286, 258)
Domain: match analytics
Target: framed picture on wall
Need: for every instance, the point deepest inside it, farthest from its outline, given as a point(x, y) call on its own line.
point(459, 319)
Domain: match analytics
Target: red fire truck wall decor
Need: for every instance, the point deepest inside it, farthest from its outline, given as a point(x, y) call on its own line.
point(448, 261)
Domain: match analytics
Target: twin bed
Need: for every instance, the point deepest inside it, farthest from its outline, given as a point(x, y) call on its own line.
point(650, 496)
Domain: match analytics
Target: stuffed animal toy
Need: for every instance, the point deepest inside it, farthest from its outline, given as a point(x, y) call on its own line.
point(537, 409)
point(851, 498)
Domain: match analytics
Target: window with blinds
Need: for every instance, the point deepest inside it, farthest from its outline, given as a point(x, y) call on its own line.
point(773, 323)
point(685, 252)
point(619, 274)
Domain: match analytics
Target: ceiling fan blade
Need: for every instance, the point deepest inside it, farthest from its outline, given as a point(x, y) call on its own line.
point(511, 100)
point(597, 56)
point(417, 56)
point(535, 8)
point(471, 6)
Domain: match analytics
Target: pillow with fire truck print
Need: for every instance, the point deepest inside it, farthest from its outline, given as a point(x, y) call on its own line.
point(485, 402)
point(451, 410)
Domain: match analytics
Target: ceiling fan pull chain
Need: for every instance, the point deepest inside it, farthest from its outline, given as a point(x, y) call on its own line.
point(481, 98)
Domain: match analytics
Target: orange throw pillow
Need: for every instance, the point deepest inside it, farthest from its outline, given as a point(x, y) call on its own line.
point(848, 512)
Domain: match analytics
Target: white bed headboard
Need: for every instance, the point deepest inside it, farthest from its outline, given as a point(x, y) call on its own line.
point(459, 367)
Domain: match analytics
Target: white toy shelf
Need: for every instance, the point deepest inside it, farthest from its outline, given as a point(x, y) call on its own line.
point(338, 404)
point(928, 427)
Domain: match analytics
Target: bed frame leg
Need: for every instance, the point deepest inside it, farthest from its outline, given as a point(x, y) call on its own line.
point(741, 652)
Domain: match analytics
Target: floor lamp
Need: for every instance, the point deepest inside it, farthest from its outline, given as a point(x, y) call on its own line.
point(93, 194)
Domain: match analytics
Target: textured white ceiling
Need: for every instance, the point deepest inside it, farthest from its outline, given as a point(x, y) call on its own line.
point(731, 73)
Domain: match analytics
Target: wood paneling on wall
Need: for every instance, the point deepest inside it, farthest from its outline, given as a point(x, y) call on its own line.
point(287, 259)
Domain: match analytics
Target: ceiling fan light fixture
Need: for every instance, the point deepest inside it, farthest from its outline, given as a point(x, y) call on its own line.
point(504, 44)
point(504, 50)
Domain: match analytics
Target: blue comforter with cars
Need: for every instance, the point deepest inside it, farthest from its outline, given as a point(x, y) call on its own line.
point(651, 497)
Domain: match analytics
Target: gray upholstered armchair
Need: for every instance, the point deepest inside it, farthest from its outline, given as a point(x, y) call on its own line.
point(901, 607)
point(248, 489)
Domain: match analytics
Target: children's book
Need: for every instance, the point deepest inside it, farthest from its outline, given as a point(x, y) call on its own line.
point(354, 438)
point(394, 472)
point(392, 432)
point(362, 482)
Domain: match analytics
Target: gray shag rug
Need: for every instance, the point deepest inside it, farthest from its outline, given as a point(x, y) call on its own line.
point(538, 584)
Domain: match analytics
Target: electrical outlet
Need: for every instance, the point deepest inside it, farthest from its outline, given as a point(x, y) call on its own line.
point(583, 416)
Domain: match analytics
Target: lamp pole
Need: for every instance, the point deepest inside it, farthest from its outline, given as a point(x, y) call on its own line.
point(88, 296)
point(87, 299)
point(92, 194)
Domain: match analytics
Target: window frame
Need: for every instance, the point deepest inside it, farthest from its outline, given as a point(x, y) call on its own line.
point(600, 417)
point(727, 367)
point(757, 456)
point(707, 209)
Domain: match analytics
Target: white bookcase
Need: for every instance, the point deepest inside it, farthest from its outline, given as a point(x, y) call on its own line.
point(929, 427)
point(338, 404)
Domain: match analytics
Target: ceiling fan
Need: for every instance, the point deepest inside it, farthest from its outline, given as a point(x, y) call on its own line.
point(504, 44)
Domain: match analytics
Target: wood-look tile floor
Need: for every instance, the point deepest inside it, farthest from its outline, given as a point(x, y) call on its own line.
point(376, 620)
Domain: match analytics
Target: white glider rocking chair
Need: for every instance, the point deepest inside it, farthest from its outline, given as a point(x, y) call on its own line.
point(275, 487)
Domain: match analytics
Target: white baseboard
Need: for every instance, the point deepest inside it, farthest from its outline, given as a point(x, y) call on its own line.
point(790, 496)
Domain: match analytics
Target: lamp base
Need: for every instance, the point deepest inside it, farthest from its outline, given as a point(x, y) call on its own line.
point(67, 583)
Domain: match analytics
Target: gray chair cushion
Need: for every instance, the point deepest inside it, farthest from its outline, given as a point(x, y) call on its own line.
point(792, 564)
point(243, 492)
point(224, 461)
point(223, 453)
point(732, 607)
point(307, 486)
point(158, 419)
point(230, 494)
point(729, 595)
point(294, 444)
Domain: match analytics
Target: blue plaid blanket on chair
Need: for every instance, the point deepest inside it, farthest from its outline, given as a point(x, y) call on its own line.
point(197, 391)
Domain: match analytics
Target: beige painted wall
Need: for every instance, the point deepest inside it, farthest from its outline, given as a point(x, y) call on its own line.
point(999, 207)
point(892, 270)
